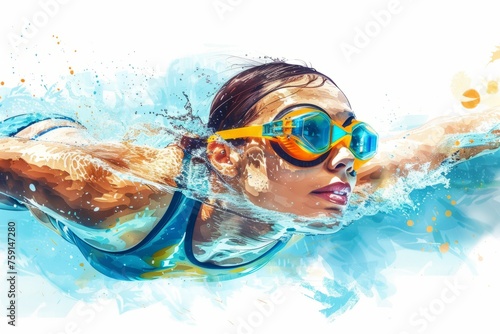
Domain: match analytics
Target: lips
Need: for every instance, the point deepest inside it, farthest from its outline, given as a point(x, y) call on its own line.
point(336, 193)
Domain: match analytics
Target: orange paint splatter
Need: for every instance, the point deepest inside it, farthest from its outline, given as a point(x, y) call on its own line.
point(447, 213)
point(448, 196)
point(457, 143)
point(429, 229)
point(410, 222)
point(81, 264)
point(433, 219)
point(470, 98)
point(2, 83)
point(453, 202)
point(71, 72)
point(443, 248)
point(22, 80)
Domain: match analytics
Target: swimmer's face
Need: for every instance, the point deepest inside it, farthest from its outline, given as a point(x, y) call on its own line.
point(273, 183)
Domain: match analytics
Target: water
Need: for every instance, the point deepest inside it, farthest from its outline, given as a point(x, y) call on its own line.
point(437, 215)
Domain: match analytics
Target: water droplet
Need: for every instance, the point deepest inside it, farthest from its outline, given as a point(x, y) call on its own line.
point(96, 208)
point(32, 187)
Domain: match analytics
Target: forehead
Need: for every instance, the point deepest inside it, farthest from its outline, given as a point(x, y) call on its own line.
point(320, 92)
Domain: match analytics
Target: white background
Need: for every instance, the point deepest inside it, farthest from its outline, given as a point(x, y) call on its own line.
point(405, 68)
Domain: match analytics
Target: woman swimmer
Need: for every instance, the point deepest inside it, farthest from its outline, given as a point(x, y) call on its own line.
point(284, 136)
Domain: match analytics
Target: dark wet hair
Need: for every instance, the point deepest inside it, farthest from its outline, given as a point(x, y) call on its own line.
point(234, 105)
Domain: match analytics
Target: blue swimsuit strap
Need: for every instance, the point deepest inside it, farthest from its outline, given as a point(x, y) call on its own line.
point(132, 263)
point(174, 230)
point(11, 126)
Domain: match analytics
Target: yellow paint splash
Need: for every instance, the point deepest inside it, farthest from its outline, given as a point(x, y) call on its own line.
point(447, 213)
point(492, 87)
point(410, 222)
point(445, 247)
point(429, 229)
point(156, 260)
point(495, 54)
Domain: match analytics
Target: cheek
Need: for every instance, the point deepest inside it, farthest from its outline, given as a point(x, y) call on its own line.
point(284, 177)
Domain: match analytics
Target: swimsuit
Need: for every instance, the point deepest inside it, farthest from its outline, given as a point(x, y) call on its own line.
point(166, 251)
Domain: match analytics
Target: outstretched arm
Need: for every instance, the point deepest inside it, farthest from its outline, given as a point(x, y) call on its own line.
point(93, 185)
point(443, 140)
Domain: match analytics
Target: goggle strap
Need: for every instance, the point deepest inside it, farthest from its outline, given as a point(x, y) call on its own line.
point(248, 131)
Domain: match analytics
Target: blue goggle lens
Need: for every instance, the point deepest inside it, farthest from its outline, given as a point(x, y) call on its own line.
point(364, 142)
point(314, 130)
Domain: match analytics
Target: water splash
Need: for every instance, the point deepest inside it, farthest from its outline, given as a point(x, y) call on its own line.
point(449, 209)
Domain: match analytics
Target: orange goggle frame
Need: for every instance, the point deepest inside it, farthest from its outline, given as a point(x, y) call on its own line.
point(305, 133)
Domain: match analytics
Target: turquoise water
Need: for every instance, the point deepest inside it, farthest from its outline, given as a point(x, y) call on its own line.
point(460, 203)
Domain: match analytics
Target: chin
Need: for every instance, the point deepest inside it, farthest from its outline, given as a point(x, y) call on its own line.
point(326, 212)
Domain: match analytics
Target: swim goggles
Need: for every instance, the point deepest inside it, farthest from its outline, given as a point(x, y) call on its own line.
point(304, 135)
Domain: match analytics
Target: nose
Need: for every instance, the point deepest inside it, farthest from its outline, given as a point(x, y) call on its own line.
point(340, 160)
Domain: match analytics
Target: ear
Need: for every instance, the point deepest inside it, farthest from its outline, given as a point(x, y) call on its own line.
point(223, 159)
